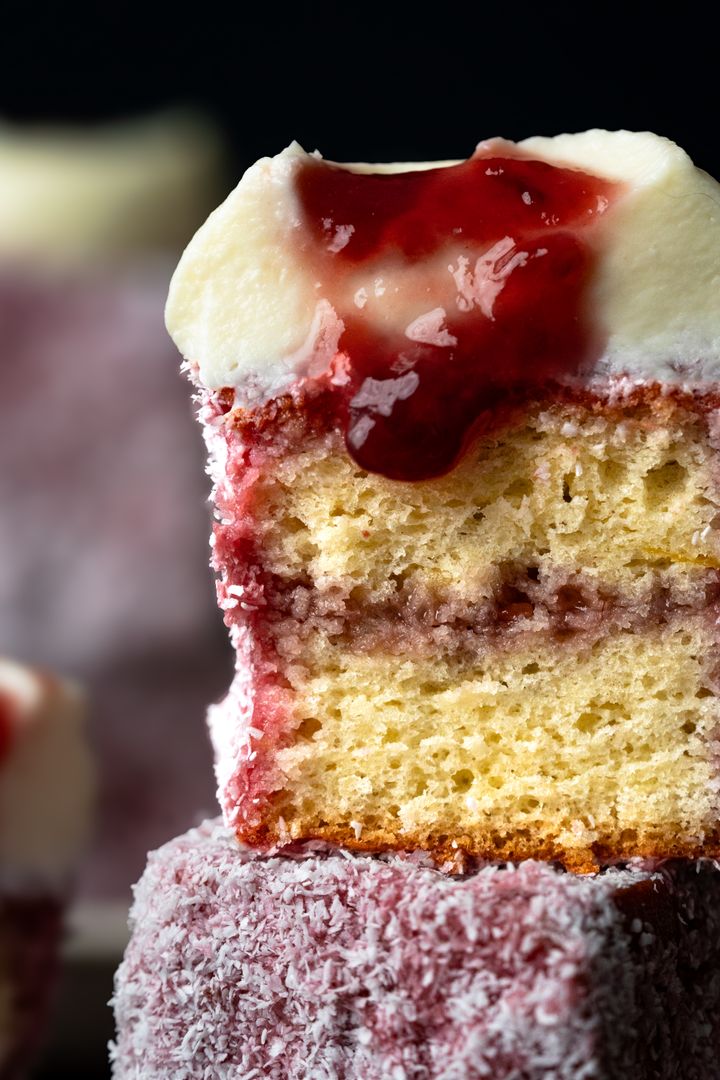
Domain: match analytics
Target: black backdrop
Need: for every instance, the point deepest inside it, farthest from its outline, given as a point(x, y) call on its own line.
point(372, 80)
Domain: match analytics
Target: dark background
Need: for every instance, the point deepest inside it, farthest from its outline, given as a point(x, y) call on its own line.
point(363, 82)
point(373, 81)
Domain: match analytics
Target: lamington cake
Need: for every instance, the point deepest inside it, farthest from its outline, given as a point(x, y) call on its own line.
point(462, 428)
point(45, 795)
point(324, 964)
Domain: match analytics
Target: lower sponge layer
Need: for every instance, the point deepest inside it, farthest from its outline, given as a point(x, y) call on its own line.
point(575, 751)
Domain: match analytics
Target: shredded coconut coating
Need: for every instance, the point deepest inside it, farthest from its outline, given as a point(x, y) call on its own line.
point(325, 965)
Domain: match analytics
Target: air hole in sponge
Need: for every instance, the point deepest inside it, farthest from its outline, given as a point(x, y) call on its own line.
point(419, 786)
point(588, 722)
point(663, 481)
point(309, 727)
point(294, 525)
point(567, 495)
point(513, 604)
point(462, 780)
point(518, 489)
point(570, 598)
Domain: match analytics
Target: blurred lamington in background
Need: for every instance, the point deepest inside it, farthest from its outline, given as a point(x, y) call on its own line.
point(46, 790)
point(103, 524)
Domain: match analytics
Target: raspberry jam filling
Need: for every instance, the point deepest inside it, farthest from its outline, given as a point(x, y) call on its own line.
point(458, 288)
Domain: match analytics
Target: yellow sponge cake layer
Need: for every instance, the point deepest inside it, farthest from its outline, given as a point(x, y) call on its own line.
point(619, 496)
point(515, 659)
point(572, 752)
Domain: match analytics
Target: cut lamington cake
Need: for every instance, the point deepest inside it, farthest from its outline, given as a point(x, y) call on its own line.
point(45, 796)
point(463, 436)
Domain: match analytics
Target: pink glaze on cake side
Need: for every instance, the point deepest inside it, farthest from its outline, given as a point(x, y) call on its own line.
point(254, 720)
point(334, 966)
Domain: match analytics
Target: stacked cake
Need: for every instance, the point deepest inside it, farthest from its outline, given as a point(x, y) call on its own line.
point(45, 793)
point(461, 420)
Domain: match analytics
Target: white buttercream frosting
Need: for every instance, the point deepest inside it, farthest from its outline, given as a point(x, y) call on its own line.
point(245, 309)
point(46, 778)
point(658, 283)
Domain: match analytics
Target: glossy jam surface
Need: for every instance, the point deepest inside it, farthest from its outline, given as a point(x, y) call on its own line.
point(459, 288)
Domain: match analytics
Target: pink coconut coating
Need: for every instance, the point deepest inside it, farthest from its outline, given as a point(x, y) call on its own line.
point(255, 719)
point(320, 964)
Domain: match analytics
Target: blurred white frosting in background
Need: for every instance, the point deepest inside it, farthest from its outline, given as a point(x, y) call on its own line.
point(46, 781)
point(73, 194)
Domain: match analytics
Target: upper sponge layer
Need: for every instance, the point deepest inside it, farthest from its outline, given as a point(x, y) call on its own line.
point(618, 496)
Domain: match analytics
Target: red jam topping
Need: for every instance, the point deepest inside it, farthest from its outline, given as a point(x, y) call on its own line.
point(493, 257)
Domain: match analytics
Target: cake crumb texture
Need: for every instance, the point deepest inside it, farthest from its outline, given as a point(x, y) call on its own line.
point(514, 660)
point(620, 493)
point(569, 752)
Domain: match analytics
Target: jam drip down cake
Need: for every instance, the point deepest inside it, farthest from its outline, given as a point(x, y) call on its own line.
point(462, 429)
point(319, 963)
point(45, 795)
